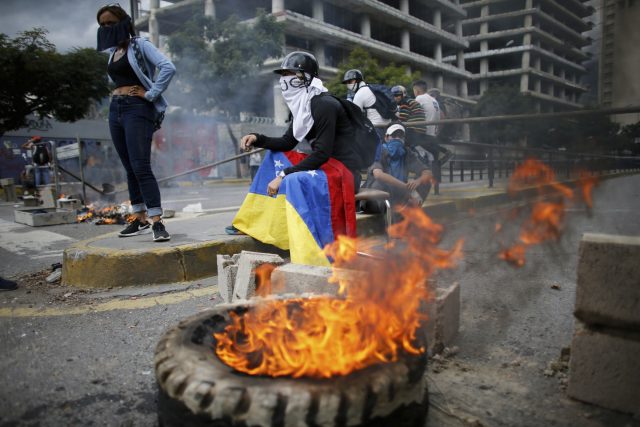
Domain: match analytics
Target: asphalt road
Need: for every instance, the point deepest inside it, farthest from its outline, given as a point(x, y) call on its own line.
point(85, 358)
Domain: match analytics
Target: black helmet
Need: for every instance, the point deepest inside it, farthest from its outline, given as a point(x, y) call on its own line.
point(297, 62)
point(352, 75)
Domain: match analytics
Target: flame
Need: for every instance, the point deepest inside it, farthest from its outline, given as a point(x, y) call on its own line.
point(374, 319)
point(264, 286)
point(586, 184)
point(547, 217)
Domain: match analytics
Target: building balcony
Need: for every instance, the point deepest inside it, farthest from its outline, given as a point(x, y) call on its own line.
point(470, 56)
point(558, 44)
point(306, 27)
point(573, 36)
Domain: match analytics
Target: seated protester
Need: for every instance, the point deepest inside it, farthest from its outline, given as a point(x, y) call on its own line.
point(409, 113)
point(390, 173)
point(297, 201)
point(432, 111)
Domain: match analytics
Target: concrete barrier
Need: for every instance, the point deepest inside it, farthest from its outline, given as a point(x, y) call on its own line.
point(608, 291)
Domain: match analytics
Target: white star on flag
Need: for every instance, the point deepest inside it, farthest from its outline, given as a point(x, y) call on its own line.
point(312, 173)
point(278, 164)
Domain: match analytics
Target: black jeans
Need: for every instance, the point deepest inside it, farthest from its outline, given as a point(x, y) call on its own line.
point(131, 124)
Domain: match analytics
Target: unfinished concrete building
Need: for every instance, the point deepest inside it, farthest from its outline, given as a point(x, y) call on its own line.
point(536, 45)
point(413, 33)
point(620, 56)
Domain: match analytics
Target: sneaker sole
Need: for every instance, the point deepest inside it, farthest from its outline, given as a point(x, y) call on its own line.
point(137, 233)
point(161, 239)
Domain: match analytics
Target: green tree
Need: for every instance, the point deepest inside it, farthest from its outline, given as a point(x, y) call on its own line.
point(498, 101)
point(219, 60)
point(360, 59)
point(38, 80)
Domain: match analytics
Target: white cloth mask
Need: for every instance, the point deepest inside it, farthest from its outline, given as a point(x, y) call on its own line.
point(298, 99)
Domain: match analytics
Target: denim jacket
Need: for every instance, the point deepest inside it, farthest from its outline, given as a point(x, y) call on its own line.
point(154, 59)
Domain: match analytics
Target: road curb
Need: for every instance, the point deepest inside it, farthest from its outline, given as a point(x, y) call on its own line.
point(86, 266)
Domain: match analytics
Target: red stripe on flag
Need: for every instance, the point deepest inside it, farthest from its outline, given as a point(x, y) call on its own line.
point(341, 194)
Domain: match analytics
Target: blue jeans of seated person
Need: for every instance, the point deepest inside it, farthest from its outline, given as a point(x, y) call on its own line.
point(131, 121)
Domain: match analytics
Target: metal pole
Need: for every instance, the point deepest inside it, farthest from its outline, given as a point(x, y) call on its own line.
point(54, 157)
point(490, 167)
point(210, 165)
point(81, 162)
point(534, 116)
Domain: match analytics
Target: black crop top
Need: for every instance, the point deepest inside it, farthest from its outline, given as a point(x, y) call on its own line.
point(122, 74)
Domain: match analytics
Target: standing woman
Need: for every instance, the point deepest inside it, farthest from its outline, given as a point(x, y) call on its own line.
point(136, 103)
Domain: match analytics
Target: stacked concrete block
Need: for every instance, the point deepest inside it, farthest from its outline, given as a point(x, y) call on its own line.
point(245, 283)
point(447, 315)
point(605, 362)
point(300, 279)
point(227, 271)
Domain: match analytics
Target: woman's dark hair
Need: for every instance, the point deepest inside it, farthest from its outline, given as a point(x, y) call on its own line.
point(118, 12)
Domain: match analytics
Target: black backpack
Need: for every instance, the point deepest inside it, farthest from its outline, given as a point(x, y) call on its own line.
point(41, 155)
point(366, 138)
point(385, 105)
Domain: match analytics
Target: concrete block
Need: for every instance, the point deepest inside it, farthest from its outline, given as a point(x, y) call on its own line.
point(39, 217)
point(299, 279)
point(428, 328)
point(30, 201)
point(227, 271)
point(70, 204)
point(48, 197)
point(245, 286)
point(605, 368)
point(447, 315)
point(608, 283)
point(9, 189)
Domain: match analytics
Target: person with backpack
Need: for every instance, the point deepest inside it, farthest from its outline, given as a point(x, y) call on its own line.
point(136, 110)
point(297, 201)
point(371, 99)
point(390, 173)
point(41, 160)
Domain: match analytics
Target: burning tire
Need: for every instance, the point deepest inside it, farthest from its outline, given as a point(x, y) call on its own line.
point(197, 389)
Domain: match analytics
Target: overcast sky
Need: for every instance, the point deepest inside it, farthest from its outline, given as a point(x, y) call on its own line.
point(71, 23)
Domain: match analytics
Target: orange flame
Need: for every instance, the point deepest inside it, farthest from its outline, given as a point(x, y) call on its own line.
point(547, 217)
point(264, 286)
point(374, 320)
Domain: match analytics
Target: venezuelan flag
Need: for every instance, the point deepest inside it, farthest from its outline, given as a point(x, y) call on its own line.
point(310, 210)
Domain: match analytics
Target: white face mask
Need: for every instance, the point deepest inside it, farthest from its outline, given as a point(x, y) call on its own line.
point(351, 86)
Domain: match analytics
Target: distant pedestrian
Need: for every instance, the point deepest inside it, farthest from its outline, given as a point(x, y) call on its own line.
point(433, 112)
point(254, 163)
point(41, 159)
point(410, 113)
point(136, 108)
point(364, 98)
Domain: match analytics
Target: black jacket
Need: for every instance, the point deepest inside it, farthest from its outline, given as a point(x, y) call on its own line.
point(331, 136)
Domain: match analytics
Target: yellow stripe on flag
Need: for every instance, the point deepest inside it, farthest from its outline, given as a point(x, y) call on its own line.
point(303, 247)
point(264, 218)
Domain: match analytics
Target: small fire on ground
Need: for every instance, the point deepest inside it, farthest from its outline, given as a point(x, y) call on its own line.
point(546, 219)
point(374, 320)
point(114, 214)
